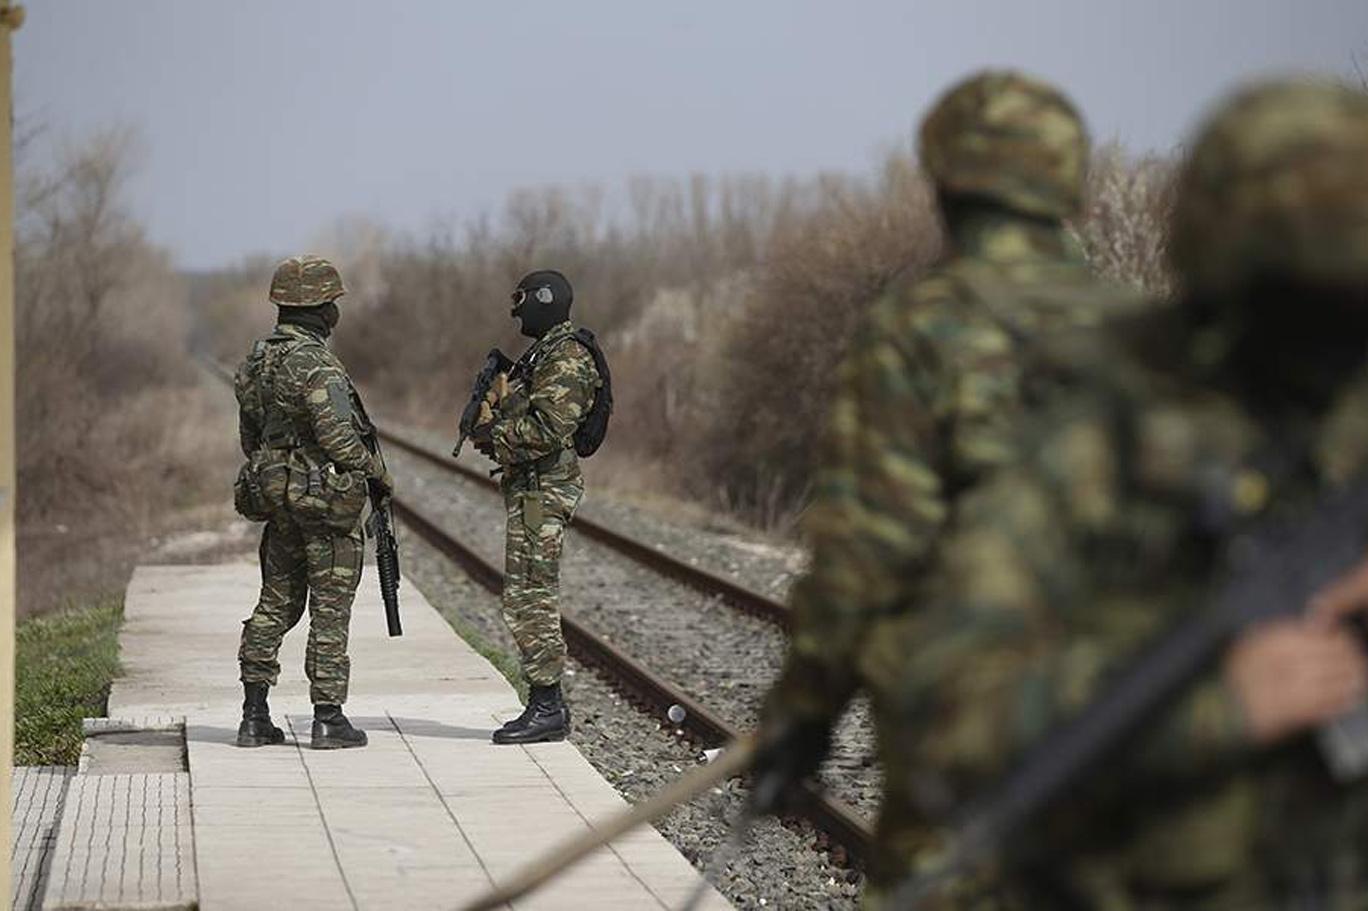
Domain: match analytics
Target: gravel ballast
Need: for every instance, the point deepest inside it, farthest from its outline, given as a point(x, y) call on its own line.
point(724, 659)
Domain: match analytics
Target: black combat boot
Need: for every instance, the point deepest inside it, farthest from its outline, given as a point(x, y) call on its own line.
point(332, 730)
point(517, 724)
point(548, 718)
point(256, 729)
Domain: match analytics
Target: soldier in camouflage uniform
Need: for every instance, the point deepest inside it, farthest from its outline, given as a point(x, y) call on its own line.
point(549, 391)
point(1192, 425)
point(307, 474)
point(932, 390)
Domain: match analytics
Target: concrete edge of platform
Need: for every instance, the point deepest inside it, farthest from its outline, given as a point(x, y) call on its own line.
point(135, 822)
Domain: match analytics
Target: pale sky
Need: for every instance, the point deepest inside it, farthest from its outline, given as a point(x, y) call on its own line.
point(263, 121)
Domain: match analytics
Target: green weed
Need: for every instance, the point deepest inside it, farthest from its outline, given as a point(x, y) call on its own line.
point(64, 663)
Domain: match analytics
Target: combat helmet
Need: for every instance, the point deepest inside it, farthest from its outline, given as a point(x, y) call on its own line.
point(1007, 137)
point(305, 281)
point(1276, 184)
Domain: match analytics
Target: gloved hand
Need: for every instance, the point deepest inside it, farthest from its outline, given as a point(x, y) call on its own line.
point(483, 439)
point(786, 752)
point(383, 482)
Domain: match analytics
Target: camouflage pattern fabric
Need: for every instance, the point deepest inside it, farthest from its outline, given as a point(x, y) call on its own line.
point(1009, 138)
point(305, 281)
point(295, 404)
point(928, 403)
point(1144, 457)
point(1246, 187)
point(309, 408)
point(551, 391)
point(1057, 569)
point(538, 513)
point(299, 566)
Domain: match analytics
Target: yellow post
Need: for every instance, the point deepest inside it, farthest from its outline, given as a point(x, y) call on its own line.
point(11, 17)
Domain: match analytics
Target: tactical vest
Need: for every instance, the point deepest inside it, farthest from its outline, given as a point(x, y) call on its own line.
point(278, 430)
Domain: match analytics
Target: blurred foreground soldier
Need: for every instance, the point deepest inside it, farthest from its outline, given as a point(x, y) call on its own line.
point(1197, 430)
point(539, 408)
point(306, 477)
point(930, 395)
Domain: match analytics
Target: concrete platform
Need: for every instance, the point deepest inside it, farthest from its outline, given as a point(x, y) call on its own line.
point(39, 792)
point(428, 814)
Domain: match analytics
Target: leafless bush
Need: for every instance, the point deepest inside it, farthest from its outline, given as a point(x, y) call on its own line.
point(724, 306)
point(105, 395)
point(824, 266)
point(1126, 213)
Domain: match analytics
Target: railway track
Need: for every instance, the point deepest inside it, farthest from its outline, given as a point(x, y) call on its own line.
point(841, 823)
point(733, 593)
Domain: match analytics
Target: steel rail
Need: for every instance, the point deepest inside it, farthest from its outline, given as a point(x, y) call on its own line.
point(710, 583)
point(842, 824)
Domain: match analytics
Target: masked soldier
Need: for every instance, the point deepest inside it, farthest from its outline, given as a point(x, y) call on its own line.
point(308, 467)
point(932, 390)
point(1194, 426)
point(549, 392)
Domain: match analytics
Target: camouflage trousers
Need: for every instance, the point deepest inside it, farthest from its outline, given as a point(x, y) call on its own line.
point(538, 513)
point(300, 566)
point(1301, 863)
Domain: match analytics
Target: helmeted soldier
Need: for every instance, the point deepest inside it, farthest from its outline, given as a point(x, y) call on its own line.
point(550, 391)
point(306, 476)
point(1146, 461)
point(931, 393)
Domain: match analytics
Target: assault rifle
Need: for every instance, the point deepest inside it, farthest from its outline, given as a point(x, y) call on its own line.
point(380, 526)
point(477, 411)
point(1272, 570)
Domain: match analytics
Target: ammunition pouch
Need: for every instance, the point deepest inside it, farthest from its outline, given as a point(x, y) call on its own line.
point(318, 494)
point(259, 490)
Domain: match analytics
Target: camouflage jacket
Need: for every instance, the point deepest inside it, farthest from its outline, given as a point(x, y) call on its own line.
point(1110, 528)
point(927, 402)
point(293, 393)
point(551, 390)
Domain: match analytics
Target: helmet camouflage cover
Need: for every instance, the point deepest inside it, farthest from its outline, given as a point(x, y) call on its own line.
point(1276, 183)
point(305, 281)
point(1009, 138)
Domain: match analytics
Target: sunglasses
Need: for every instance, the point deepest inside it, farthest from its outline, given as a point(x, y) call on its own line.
point(542, 295)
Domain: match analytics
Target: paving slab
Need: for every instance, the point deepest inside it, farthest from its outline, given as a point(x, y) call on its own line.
point(39, 792)
point(428, 814)
point(124, 841)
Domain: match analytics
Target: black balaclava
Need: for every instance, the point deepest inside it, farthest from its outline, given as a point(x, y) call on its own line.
point(539, 316)
point(319, 320)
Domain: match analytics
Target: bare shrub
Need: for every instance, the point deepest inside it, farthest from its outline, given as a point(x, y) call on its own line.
point(106, 400)
point(1125, 220)
point(724, 306)
point(775, 375)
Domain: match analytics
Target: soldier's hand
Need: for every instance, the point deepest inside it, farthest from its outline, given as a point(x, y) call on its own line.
point(1295, 674)
point(786, 752)
point(384, 482)
point(1346, 595)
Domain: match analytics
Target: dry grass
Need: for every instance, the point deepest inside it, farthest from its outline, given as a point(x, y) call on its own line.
point(111, 413)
